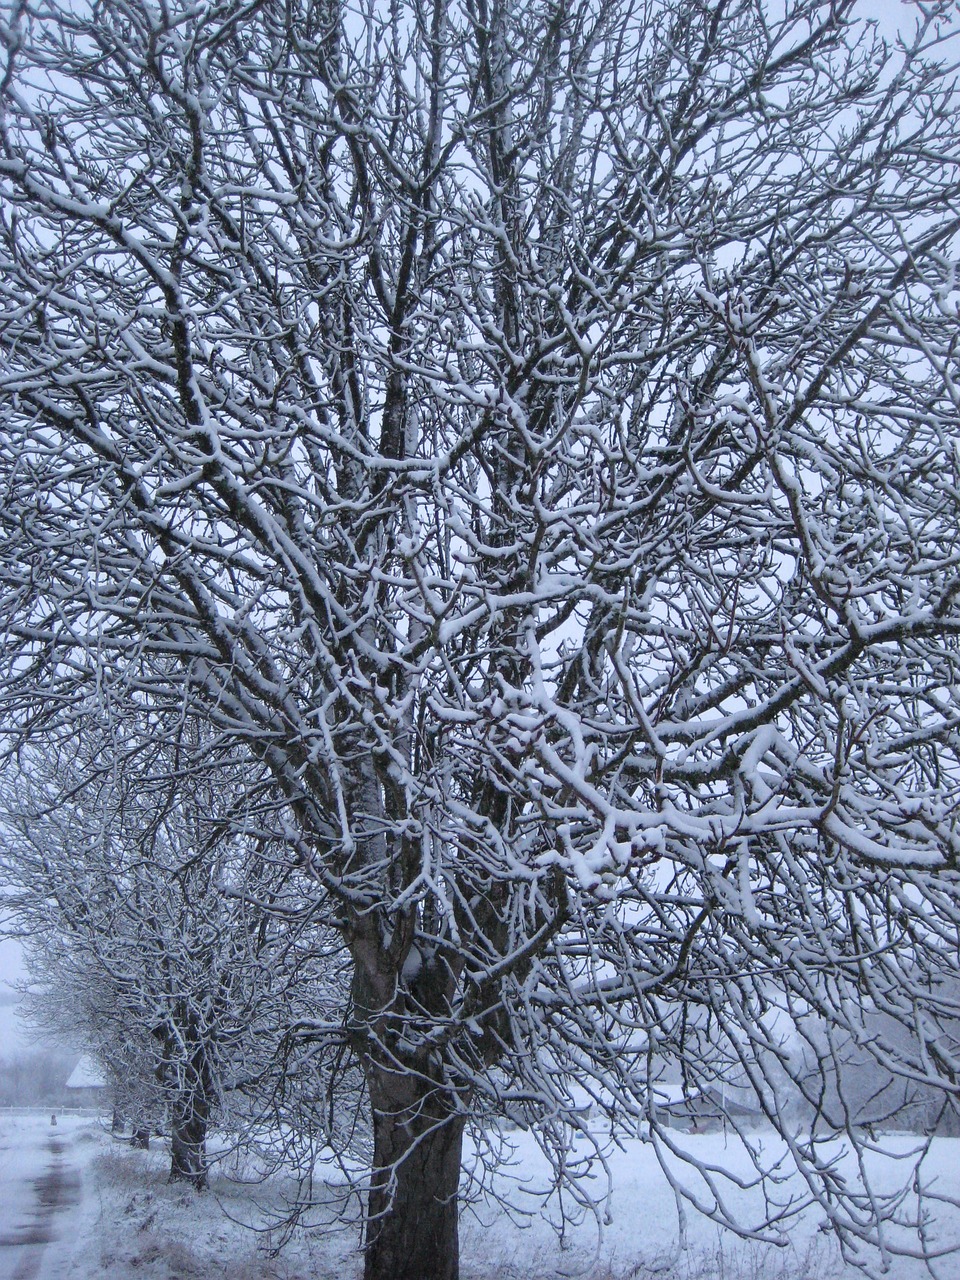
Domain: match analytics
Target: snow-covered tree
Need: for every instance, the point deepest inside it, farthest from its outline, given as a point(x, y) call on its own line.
point(68, 997)
point(529, 430)
point(148, 930)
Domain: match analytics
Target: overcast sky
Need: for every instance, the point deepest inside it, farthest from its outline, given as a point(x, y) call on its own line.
point(10, 964)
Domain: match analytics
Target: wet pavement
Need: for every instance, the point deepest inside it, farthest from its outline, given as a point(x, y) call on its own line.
point(38, 1185)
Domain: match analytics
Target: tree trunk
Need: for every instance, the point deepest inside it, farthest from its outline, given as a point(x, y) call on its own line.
point(188, 1162)
point(412, 1212)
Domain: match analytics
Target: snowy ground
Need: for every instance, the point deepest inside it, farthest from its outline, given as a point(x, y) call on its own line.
point(42, 1172)
point(75, 1204)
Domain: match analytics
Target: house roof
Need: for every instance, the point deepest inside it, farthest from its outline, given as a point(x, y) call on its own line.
point(668, 1095)
point(730, 1100)
point(86, 1075)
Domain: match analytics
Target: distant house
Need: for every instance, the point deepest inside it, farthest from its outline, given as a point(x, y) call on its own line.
point(86, 1084)
point(698, 1110)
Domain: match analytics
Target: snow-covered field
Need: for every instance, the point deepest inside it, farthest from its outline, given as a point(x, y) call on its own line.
point(122, 1219)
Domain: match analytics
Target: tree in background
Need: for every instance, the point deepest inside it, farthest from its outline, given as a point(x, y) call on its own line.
point(529, 431)
point(148, 931)
point(35, 1077)
point(66, 997)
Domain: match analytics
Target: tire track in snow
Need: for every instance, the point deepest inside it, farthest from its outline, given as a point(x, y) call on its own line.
point(56, 1189)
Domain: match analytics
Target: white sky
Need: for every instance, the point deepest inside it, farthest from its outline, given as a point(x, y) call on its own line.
point(890, 15)
point(11, 965)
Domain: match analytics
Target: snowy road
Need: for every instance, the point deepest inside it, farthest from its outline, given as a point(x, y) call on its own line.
point(40, 1188)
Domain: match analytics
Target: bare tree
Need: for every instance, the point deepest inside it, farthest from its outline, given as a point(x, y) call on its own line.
point(529, 430)
point(148, 930)
point(68, 996)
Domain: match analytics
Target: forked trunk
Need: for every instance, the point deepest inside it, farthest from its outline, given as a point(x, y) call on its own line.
point(188, 1147)
point(412, 1226)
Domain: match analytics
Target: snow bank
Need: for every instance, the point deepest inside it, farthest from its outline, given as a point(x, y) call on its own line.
point(131, 1222)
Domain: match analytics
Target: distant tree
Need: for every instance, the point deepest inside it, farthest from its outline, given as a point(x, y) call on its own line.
point(528, 430)
point(860, 1073)
point(147, 929)
point(67, 997)
point(34, 1077)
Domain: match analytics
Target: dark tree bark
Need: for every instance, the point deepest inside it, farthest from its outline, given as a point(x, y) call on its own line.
point(413, 1212)
point(188, 1154)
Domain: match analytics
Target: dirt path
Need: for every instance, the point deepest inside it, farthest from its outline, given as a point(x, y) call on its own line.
point(38, 1185)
